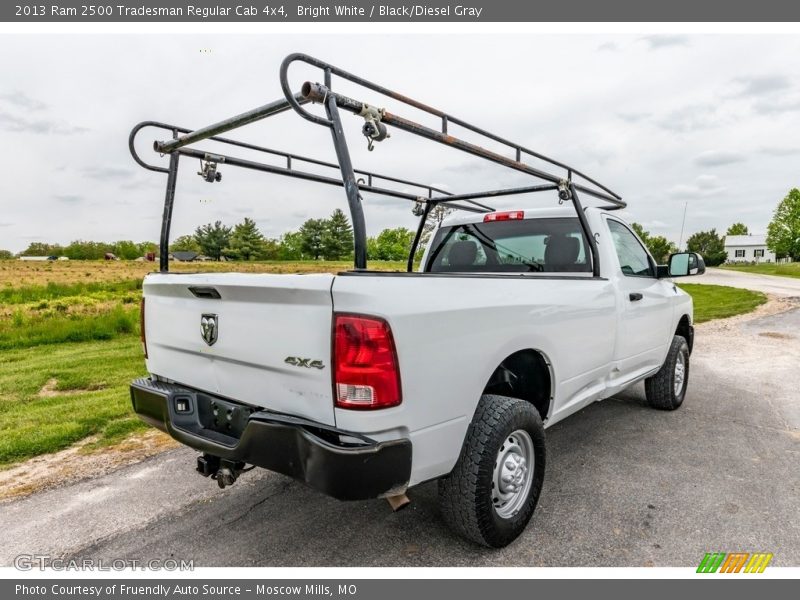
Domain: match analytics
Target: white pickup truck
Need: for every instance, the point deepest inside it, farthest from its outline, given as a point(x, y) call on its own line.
point(364, 384)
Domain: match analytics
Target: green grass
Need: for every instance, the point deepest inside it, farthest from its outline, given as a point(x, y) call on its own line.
point(719, 302)
point(91, 396)
point(53, 291)
point(782, 269)
point(24, 330)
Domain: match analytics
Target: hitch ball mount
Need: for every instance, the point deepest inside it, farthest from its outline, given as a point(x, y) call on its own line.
point(225, 472)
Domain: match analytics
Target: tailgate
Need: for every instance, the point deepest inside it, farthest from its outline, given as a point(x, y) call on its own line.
point(273, 338)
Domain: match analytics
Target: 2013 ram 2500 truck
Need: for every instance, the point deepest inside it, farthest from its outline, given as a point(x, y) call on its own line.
point(364, 384)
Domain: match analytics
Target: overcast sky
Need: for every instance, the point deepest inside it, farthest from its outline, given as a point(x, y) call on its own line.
point(711, 120)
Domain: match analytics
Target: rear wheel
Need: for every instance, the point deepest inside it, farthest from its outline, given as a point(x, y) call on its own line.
point(491, 494)
point(666, 389)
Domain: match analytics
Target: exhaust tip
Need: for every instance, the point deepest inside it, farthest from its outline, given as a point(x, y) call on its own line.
point(398, 502)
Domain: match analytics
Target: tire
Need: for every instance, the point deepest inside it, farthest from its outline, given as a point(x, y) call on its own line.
point(468, 496)
point(666, 389)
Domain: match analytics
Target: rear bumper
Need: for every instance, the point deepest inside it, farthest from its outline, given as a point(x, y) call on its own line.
point(345, 465)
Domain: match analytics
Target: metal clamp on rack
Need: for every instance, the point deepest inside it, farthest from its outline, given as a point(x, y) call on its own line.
point(208, 168)
point(373, 129)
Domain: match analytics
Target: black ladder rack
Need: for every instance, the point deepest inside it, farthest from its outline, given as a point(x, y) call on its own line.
point(567, 181)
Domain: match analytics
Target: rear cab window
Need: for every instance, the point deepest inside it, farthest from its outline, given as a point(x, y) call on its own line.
point(542, 245)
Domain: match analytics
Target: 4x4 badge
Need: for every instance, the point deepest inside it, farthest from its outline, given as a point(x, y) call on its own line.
point(209, 328)
point(304, 362)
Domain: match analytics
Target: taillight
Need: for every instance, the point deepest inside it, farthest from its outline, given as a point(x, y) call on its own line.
point(142, 335)
point(504, 216)
point(366, 374)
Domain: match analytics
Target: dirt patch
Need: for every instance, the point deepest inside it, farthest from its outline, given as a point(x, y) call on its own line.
point(76, 463)
point(773, 306)
point(49, 389)
point(776, 335)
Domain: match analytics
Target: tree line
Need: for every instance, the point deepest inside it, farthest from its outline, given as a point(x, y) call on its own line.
point(316, 239)
point(332, 239)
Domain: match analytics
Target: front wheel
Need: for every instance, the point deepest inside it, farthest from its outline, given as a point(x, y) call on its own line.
point(666, 389)
point(491, 494)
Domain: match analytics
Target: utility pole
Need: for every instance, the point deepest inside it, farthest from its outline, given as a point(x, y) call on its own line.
point(683, 224)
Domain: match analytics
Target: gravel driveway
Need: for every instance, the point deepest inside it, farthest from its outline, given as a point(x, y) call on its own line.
point(769, 284)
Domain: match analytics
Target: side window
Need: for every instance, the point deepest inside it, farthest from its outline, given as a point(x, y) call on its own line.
point(633, 258)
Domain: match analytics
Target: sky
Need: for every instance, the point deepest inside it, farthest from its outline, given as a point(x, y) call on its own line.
point(706, 123)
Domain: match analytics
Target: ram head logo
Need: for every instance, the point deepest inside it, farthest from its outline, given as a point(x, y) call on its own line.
point(209, 328)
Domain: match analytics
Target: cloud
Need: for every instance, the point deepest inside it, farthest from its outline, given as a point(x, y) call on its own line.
point(634, 117)
point(761, 84)
point(718, 158)
point(704, 186)
point(707, 182)
point(655, 224)
point(6, 224)
point(689, 118)
point(21, 100)
point(68, 198)
point(608, 47)
point(15, 124)
point(774, 151)
point(106, 173)
point(777, 106)
point(664, 41)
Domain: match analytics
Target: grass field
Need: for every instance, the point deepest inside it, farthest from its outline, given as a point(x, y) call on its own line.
point(719, 302)
point(782, 269)
point(69, 346)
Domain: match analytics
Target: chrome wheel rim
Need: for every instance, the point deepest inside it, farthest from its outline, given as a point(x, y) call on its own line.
point(513, 474)
point(680, 373)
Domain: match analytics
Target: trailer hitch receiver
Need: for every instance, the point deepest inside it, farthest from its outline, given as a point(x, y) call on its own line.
point(225, 472)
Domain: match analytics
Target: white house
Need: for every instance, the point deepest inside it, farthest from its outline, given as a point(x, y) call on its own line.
point(748, 248)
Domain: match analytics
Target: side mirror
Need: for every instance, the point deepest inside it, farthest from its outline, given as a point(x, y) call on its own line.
point(684, 264)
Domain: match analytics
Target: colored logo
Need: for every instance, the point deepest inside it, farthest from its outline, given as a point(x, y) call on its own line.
point(734, 562)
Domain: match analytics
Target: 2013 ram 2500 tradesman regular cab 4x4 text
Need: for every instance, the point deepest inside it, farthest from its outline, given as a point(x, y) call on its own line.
point(364, 384)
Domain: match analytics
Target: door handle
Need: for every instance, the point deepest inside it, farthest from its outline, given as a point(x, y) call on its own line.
point(634, 296)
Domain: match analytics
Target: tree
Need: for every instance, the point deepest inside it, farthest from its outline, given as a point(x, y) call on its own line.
point(246, 242)
point(271, 250)
point(737, 229)
point(658, 246)
point(337, 237)
point(6, 255)
point(185, 243)
point(391, 244)
point(213, 239)
point(290, 246)
point(147, 247)
point(87, 250)
point(126, 250)
point(783, 232)
point(643, 234)
point(42, 249)
point(709, 245)
point(311, 233)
